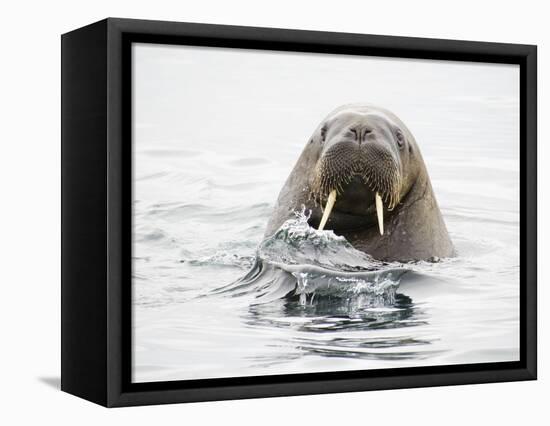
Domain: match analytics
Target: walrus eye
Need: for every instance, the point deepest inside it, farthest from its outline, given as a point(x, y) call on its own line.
point(323, 133)
point(400, 138)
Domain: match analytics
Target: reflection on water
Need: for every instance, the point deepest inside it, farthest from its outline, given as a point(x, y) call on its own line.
point(327, 314)
point(324, 320)
point(211, 298)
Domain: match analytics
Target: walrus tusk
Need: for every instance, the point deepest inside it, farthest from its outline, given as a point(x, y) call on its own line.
point(380, 213)
point(328, 208)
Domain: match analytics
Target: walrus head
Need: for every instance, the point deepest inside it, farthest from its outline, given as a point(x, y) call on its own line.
point(363, 171)
point(362, 176)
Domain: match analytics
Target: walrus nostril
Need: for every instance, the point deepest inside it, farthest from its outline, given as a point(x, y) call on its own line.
point(360, 134)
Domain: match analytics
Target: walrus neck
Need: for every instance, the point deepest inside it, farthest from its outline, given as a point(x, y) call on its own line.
point(417, 192)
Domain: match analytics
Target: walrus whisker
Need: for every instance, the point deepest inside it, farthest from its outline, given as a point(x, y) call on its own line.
point(380, 176)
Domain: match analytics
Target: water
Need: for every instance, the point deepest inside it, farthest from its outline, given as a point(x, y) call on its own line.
point(212, 298)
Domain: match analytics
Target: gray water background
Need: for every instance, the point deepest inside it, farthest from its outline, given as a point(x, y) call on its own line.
point(215, 134)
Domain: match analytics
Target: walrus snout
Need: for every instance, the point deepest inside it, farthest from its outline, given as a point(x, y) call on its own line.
point(361, 174)
point(375, 165)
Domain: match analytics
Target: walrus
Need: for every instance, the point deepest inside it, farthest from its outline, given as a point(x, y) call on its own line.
point(362, 176)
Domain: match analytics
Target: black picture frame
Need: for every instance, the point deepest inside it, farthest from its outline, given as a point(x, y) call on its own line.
point(96, 211)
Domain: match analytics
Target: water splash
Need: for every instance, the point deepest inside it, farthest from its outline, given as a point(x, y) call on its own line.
point(301, 262)
point(295, 242)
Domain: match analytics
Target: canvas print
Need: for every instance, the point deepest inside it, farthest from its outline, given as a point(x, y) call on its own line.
point(305, 212)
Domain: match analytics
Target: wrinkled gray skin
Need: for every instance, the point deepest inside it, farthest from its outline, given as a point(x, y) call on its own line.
point(414, 228)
